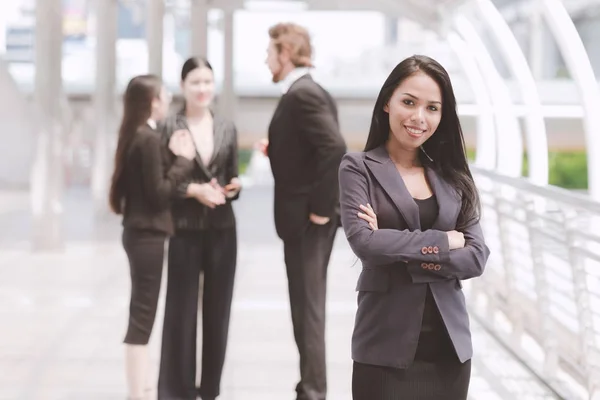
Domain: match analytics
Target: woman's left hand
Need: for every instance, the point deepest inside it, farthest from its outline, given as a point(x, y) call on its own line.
point(369, 216)
point(233, 187)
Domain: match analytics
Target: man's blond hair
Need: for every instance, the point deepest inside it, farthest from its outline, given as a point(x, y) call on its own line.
point(296, 40)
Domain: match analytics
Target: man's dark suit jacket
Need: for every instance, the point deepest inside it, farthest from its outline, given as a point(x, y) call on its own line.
point(150, 180)
point(190, 214)
point(399, 261)
point(305, 150)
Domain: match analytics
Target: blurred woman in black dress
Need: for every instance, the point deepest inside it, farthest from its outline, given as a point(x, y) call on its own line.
point(143, 183)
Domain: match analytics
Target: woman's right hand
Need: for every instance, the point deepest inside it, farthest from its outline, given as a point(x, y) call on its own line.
point(456, 240)
point(263, 146)
point(182, 144)
point(207, 194)
point(369, 215)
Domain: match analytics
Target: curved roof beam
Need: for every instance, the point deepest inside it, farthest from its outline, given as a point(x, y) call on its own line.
point(485, 154)
point(536, 137)
point(509, 142)
point(520, 10)
point(392, 8)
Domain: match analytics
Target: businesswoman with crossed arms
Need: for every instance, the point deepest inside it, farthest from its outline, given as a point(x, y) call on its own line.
point(410, 211)
point(143, 182)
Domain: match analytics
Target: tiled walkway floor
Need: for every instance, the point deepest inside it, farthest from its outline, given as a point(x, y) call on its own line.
point(63, 318)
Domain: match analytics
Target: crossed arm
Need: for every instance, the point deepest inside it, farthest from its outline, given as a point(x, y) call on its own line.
point(427, 253)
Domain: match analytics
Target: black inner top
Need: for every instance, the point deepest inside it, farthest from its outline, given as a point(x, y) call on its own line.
point(434, 342)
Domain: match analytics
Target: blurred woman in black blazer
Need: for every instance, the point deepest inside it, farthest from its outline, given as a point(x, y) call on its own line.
point(143, 182)
point(205, 241)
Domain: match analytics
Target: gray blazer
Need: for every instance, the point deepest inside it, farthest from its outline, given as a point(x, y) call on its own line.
point(399, 261)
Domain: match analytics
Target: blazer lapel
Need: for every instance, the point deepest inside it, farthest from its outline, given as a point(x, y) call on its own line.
point(448, 200)
point(219, 130)
point(384, 170)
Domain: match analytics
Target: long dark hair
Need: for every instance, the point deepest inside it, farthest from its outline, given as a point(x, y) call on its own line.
point(191, 64)
point(446, 147)
point(137, 109)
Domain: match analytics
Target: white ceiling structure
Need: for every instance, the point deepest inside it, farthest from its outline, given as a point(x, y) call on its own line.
point(499, 144)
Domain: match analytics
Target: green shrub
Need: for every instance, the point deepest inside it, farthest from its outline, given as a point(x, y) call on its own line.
point(244, 156)
point(567, 169)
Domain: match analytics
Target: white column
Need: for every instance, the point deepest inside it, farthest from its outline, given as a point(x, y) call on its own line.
point(227, 99)
point(104, 102)
point(199, 28)
point(154, 35)
point(47, 177)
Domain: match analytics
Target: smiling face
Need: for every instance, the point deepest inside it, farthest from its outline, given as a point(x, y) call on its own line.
point(415, 111)
point(199, 87)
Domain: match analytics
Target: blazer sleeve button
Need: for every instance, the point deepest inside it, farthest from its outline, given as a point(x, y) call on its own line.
point(424, 250)
point(436, 250)
point(431, 266)
point(437, 267)
point(430, 249)
point(424, 265)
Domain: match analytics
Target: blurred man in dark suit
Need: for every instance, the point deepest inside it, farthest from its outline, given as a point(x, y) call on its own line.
point(305, 149)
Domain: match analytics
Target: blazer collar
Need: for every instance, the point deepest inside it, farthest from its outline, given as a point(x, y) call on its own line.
point(219, 130)
point(384, 170)
point(295, 82)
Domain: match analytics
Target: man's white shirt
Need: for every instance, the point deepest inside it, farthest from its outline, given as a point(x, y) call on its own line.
point(292, 77)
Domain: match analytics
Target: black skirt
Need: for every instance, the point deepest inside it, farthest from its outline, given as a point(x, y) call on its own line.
point(423, 380)
point(436, 373)
point(145, 251)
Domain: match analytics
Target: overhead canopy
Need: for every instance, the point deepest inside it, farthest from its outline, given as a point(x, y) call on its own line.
point(429, 13)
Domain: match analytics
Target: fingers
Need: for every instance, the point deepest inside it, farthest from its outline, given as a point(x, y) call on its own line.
point(181, 133)
point(181, 140)
point(262, 146)
point(368, 215)
point(181, 143)
point(372, 222)
point(364, 216)
point(232, 187)
point(213, 201)
point(235, 184)
point(215, 185)
point(369, 210)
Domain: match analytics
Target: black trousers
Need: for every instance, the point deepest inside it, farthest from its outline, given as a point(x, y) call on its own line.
point(306, 260)
point(213, 252)
point(145, 250)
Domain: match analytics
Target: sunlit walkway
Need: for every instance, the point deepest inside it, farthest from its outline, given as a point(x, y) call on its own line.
point(63, 316)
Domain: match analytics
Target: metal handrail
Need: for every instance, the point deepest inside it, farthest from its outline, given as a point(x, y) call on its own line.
point(555, 193)
point(536, 232)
